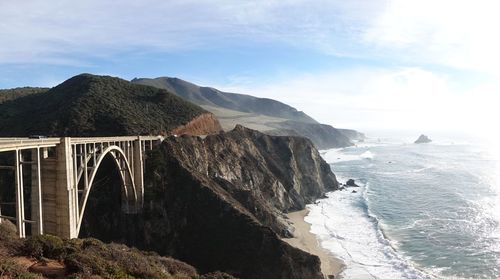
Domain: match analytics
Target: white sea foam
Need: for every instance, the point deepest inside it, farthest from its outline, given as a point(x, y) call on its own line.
point(349, 231)
point(336, 155)
point(417, 206)
point(367, 155)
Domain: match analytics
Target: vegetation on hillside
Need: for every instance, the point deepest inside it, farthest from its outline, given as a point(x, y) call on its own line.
point(239, 102)
point(89, 105)
point(11, 94)
point(85, 258)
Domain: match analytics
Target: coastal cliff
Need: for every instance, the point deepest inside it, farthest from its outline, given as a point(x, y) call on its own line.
point(323, 136)
point(217, 203)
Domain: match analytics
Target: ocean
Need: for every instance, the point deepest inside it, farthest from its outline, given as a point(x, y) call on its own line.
point(421, 211)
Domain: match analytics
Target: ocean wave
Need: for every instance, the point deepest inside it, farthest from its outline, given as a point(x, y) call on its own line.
point(440, 203)
point(337, 155)
point(367, 252)
point(367, 155)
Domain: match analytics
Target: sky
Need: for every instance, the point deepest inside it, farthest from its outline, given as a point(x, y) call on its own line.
point(373, 65)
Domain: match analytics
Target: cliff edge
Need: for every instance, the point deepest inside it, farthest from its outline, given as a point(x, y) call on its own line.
point(217, 203)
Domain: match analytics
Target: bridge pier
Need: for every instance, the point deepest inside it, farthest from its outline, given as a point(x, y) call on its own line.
point(66, 192)
point(21, 227)
point(138, 166)
point(36, 192)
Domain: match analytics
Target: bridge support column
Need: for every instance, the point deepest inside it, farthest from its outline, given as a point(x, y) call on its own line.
point(66, 192)
point(36, 192)
point(21, 227)
point(138, 169)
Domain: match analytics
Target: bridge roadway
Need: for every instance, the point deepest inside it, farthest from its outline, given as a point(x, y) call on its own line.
point(62, 172)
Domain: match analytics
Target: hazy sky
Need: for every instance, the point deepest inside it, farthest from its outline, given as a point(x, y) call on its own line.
point(367, 64)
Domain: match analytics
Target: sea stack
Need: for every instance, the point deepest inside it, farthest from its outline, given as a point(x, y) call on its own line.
point(423, 139)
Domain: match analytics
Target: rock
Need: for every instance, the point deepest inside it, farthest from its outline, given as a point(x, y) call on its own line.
point(354, 191)
point(351, 183)
point(423, 139)
point(233, 222)
point(203, 124)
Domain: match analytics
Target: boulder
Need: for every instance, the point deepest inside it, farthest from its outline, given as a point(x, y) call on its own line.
point(351, 183)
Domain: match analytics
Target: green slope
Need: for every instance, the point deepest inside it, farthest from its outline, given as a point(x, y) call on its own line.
point(11, 94)
point(266, 115)
point(89, 105)
point(206, 96)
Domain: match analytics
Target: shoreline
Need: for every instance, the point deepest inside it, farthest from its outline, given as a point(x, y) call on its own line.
point(307, 241)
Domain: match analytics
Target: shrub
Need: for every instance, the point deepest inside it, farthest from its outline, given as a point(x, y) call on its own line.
point(10, 269)
point(41, 246)
point(8, 236)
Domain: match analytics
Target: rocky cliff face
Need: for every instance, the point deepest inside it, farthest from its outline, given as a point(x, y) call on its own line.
point(203, 124)
point(323, 136)
point(217, 202)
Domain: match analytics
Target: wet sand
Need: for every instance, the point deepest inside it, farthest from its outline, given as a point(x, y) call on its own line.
point(308, 242)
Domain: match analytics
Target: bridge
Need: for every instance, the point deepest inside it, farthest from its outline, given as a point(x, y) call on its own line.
point(58, 174)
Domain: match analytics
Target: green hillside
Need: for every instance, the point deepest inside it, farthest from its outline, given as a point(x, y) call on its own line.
point(11, 94)
point(207, 96)
point(266, 115)
point(89, 105)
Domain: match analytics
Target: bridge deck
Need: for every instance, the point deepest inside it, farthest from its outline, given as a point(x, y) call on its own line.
point(11, 144)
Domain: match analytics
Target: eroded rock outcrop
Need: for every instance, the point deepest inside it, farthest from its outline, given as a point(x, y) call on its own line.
point(217, 202)
point(203, 124)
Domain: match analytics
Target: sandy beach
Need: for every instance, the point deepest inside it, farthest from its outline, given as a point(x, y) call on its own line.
point(308, 242)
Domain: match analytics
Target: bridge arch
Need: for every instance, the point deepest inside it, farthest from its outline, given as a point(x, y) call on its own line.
point(127, 178)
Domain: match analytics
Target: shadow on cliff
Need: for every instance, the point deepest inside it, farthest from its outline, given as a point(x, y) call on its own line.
point(217, 203)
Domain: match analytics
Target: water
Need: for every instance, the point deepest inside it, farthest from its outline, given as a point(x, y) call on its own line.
point(422, 211)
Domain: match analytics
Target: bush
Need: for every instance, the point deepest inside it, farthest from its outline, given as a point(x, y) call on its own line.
point(8, 236)
point(47, 246)
point(10, 269)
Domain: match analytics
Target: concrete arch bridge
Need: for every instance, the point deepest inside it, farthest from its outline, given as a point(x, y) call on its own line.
point(62, 173)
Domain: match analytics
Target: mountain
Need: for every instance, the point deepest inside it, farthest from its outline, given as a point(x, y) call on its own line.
point(322, 135)
point(90, 105)
point(206, 96)
point(265, 115)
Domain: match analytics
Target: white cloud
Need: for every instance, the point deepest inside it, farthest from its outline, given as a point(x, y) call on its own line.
point(459, 34)
point(409, 34)
point(446, 32)
point(59, 30)
point(397, 98)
